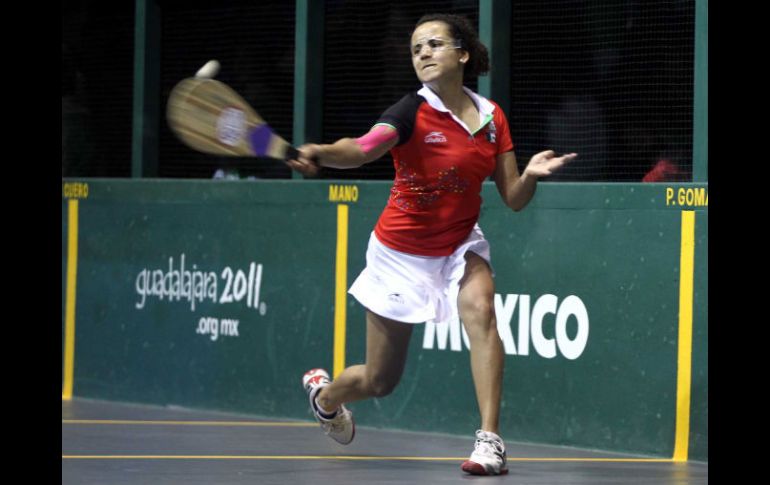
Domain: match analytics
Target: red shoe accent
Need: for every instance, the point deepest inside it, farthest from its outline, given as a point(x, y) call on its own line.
point(312, 371)
point(313, 376)
point(476, 469)
point(316, 379)
point(473, 468)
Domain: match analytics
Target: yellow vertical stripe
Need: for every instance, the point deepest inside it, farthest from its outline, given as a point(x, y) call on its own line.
point(684, 362)
point(340, 292)
point(69, 310)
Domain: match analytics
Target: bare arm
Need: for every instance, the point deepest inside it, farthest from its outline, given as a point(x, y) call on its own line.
point(346, 152)
point(517, 190)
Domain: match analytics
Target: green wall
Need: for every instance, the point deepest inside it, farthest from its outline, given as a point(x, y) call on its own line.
point(613, 250)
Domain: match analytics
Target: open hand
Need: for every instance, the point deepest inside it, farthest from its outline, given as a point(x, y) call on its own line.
point(545, 163)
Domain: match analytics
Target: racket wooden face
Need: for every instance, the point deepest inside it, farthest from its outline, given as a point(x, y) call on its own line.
point(208, 116)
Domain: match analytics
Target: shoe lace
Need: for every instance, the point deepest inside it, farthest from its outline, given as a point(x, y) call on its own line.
point(489, 446)
point(337, 423)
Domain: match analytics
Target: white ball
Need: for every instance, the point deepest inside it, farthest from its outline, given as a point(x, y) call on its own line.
point(209, 70)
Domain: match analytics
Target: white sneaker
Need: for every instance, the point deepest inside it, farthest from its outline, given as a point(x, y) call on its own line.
point(489, 456)
point(340, 427)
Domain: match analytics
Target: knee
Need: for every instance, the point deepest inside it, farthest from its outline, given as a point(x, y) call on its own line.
point(381, 386)
point(479, 308)
point(478, 317)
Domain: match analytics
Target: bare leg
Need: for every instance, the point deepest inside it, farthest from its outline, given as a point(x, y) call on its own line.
point(387, 343)
point(477, 312)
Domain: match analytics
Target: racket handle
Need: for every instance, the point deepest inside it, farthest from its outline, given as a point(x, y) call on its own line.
point(293, 154)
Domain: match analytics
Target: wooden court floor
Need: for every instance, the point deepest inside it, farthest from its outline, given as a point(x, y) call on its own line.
point(114, 443)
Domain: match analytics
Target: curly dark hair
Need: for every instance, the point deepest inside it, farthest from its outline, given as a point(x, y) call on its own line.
point(461, 29)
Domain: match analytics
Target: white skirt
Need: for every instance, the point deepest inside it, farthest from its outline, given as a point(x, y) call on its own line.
point(415, 289)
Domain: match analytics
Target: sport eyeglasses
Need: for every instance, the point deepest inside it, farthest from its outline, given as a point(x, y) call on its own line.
point(435, 44)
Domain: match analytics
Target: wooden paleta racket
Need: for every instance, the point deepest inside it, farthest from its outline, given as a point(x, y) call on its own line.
point(209, 116)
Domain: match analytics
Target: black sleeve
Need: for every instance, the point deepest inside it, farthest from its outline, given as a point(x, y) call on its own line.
point(402, 115)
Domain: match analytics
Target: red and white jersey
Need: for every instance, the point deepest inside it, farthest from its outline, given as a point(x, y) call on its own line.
point(440, 166)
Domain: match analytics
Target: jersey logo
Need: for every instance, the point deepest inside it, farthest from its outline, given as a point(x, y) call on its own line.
point(491, 132)
point(435, 137)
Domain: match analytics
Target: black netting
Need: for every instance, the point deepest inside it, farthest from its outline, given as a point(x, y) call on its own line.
point(611, 80)
point(367, 67)
point(254, 43)
point(97, 88)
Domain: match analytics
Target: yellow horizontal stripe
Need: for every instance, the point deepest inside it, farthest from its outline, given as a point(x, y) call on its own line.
point(350, 458)
point(607, 460)
point(187, 423)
